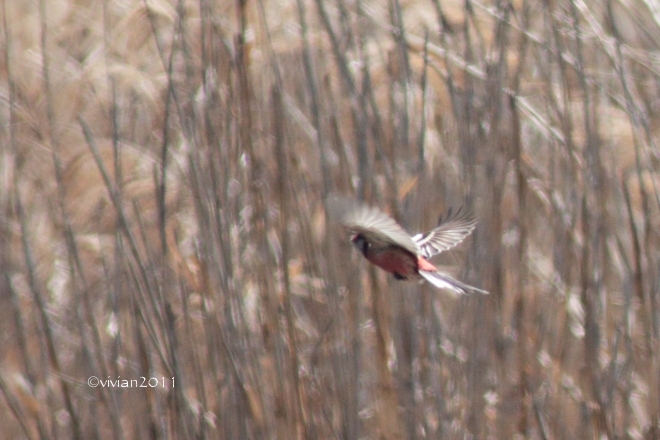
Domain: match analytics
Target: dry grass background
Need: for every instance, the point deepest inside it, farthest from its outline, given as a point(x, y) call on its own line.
point(163, 166)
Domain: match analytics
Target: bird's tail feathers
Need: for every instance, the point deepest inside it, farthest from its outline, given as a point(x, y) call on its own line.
point(443, 281)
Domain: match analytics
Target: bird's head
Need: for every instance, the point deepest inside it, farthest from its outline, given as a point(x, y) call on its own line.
point(360, 242)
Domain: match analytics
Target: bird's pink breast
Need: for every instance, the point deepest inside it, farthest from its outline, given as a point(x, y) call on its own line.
point(395, 260)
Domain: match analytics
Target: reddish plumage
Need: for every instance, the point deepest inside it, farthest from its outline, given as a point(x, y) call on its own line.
point(395, 260)
point(387, 245)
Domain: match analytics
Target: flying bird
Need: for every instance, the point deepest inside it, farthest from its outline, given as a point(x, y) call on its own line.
point(386, 244)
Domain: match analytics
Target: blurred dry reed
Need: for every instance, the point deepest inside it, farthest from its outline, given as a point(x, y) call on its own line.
point(163, 167)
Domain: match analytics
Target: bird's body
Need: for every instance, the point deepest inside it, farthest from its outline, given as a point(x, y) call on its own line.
point(387, 245)
point(401, 263)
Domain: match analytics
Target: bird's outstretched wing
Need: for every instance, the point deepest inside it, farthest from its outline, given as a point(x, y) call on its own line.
point(449, 232)
point(377, 227)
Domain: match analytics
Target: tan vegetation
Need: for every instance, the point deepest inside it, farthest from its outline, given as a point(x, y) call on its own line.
point(163, 171)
